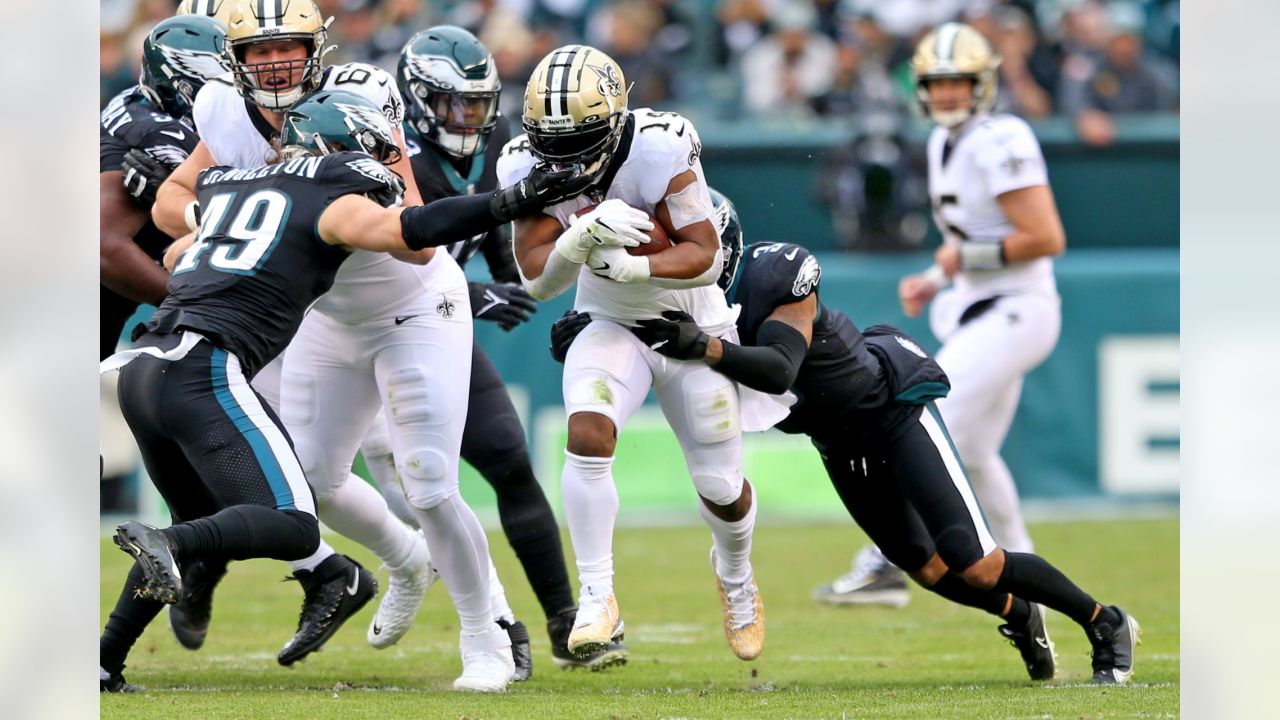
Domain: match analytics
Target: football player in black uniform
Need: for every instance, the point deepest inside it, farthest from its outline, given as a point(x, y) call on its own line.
point(865, 400)
point(270, 243)
point(454, 135)
point(149, 124)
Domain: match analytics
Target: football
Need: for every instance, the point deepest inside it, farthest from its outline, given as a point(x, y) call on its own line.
point(659, 238)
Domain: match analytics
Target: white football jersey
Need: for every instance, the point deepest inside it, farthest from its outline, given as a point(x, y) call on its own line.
point(993, 155)
point(368, 283)
point(663, 145)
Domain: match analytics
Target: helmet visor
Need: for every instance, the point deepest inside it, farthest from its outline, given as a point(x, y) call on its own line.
point(464, 113)
point(579, 145)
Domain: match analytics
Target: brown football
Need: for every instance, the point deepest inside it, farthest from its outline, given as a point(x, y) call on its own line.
point(659, 238)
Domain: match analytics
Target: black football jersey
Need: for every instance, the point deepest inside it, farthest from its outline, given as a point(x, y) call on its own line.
point(838, 374)
point(257, 263)
point(130, 121)
point(439, 176)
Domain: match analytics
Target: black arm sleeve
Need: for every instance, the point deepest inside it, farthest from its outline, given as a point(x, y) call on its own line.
point(772, 365)
point(446, 220)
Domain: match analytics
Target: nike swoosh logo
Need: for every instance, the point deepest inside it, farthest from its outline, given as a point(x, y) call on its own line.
point(1042, 643)
point(377, 629)
point(792, 255)
point(400, 320)
point(355, 582)
point(382, 83)
point(175, 134)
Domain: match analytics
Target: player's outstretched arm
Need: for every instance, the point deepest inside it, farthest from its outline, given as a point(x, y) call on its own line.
point(174, 211)
point(355, 221)
point(770, 366)
point(124, 268)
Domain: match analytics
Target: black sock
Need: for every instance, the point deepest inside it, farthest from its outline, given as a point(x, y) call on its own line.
point(1032, 578)
point(1019, 612)
point(531, 529)
point(127, 621)
point(242, 532)
point(954, 588)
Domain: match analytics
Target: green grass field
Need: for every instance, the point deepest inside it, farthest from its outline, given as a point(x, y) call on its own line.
point(929, 660)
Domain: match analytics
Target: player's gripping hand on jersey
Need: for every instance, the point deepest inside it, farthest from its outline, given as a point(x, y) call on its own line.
point(504, 303)
point(677, 336)
point(143, 175)
point(542, 188)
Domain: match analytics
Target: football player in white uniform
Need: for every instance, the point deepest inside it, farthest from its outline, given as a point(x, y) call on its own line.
point(576, 116)
point(1001, 315)
point(387, 329)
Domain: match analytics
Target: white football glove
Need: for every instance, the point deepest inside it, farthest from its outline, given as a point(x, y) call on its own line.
point(616, 264)
point(612, 223)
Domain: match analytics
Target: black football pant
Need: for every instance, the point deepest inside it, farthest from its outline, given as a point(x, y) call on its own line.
point(905, 486)
point(493, 442)
point(223, 463)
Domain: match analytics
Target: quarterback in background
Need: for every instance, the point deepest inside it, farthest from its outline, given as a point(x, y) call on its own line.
point(995, 303)
point(638, 161)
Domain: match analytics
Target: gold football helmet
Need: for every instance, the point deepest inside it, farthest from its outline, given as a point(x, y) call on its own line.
point(956, 50)
point(261, 21)
point(575, 108)
point(219, 10)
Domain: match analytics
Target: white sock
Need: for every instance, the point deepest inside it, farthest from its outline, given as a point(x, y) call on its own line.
point(498, 597)
point(733, 542)
point(461, 555)
point(590, 509)
point(312, 561)
point(359, 512)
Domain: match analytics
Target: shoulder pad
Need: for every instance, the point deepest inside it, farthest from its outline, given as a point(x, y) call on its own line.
point(783, 272)
point(356, 172)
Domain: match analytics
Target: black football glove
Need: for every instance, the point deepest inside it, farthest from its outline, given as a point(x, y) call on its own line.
point(143, 176)
point(565, 330)
point(504, 303)
point(677, 337)
point(542, 188)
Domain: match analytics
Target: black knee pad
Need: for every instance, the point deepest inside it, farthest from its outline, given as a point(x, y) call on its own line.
point(958, 547)
point(308, 528)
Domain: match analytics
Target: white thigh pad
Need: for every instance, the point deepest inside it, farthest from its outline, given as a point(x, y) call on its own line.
point(407, 395)
point(711, 405)
point(377, 442)
point(605, 373)
point(690, 205)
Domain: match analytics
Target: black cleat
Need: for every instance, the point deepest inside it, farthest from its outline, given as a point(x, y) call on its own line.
point(189, 619)
point(1113, 647)
point(559, 628)
point(114, 683)
point(335, 591)
point(1032, 640)
point(155, 556)
point(521, 653)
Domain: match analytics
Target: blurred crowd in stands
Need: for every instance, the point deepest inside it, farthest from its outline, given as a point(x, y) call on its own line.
point(1086, 59)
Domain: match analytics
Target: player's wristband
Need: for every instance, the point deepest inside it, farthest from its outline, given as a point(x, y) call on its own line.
point(982, 255)
point(191, 215)
point(936, 276)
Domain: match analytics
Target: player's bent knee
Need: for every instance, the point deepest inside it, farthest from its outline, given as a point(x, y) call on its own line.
point(716, 487)
point(427, 478)
point(985, 573)
point(930, 572)
point(308, 535)
point(591, 435)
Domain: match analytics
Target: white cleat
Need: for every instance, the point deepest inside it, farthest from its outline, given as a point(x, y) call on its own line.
point(405, 592)
point(597, 625)
point(487, 665)
point(743, 613)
